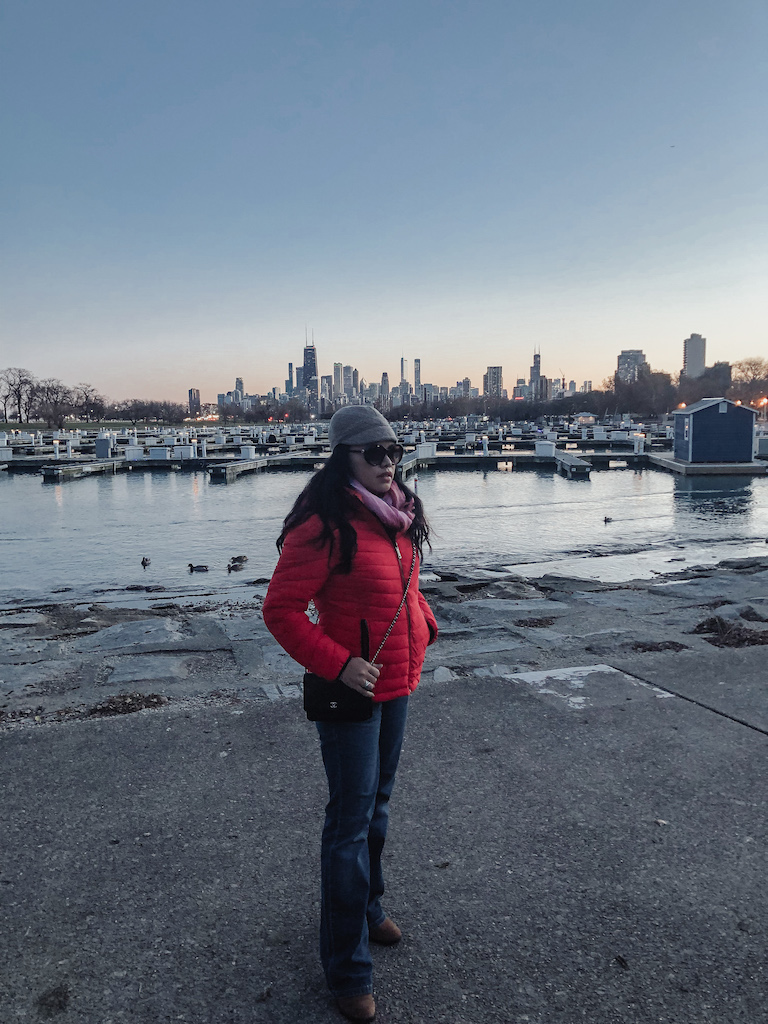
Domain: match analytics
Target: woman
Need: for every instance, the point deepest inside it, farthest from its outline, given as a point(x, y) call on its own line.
point(348, 545)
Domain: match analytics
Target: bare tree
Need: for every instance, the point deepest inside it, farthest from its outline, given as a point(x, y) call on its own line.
point(89, 404)
point(170, 412)
point(54, 401)
point(134, 409)
point(750, 379)
point(20, 384)
point(5, 394)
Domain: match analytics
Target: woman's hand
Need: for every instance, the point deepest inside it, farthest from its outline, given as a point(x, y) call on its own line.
point(360, 675)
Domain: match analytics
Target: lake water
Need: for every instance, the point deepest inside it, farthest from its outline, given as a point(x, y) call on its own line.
point(93, 533)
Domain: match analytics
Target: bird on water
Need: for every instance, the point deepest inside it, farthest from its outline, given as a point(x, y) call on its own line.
point(238, 559)
point(145, 562)
point(198, 568)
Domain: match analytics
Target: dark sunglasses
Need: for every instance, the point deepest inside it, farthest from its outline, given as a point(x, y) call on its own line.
point(375, 454)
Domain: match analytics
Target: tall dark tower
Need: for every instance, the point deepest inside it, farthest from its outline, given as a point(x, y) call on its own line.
point(310, 377)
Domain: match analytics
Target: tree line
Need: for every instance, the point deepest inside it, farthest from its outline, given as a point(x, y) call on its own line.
point(26, 399)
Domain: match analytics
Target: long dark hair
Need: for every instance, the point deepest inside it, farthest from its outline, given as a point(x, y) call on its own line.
point(328, 497)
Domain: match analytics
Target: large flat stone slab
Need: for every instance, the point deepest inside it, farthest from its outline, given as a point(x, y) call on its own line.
point(147, 668)
point(156, 634)
point(734, 681)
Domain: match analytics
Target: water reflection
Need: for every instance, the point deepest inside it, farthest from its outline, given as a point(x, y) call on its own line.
point(714, 496)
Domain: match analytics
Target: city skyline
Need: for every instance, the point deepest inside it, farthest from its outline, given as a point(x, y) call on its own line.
point(185, 190)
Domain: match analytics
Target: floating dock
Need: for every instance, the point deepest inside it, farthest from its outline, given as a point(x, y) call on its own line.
point(573, 464)
point(227, 472)
point(667, 461)
point(58, 473)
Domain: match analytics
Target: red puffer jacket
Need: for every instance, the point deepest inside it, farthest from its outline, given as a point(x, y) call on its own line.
point(370, 593)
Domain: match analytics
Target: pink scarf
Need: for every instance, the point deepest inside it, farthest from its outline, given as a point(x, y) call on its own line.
point(393, 509)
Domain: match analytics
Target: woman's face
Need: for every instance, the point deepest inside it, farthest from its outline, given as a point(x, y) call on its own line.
point(377, 479)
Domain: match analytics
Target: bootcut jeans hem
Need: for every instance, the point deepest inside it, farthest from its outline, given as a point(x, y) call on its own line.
point(351, 993)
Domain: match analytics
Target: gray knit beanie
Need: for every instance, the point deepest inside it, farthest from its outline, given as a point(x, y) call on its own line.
point(359, 424)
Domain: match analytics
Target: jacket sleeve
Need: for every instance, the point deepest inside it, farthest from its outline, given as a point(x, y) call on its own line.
point(302, 570)
point(429, 616)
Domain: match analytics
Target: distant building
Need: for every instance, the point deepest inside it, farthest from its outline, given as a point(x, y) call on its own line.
point(326, 387)
point(694, 356)
point(239, 385)
point(535, 372)
point(538, 386)
point(310, 378)
point(493, 383)
point(385, 385)
point(416, 374)
point(403, 371)
point(289, 380)
point(338, 380)
point(631, 364)
point(714, 430)
point(194, 401)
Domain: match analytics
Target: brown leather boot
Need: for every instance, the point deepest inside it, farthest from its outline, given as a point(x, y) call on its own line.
point(386, 934)
point(357, 1008)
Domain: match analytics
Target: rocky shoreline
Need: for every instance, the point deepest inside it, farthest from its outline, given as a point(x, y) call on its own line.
point(64, 661)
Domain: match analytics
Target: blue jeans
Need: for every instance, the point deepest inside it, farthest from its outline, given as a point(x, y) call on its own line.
point(360, 761)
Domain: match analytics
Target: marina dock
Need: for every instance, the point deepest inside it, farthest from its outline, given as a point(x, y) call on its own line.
point(227, 454)
point(59, 472)
point(228, 470)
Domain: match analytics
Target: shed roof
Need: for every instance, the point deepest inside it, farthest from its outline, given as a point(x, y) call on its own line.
point(705, 403)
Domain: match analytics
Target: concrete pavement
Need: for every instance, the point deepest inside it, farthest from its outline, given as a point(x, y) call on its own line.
point(568, 841)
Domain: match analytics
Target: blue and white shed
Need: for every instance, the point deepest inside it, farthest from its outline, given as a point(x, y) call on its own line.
point(714, 430)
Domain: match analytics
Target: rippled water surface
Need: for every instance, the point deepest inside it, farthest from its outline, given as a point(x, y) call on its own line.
point(95, 531)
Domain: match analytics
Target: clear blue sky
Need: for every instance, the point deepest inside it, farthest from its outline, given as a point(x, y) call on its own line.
point(186, 185)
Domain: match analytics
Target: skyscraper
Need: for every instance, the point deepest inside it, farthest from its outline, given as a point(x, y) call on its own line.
point(309, 377)
point(694, 356)
point(416, 374)
point(239, 385)
point(630, 365)
point(385, 385)
point(538, 385)
point(338, 380)
point(194, 401)
point(403, 370)
point(535, 369)
point(289, 381)
point(493, 384)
